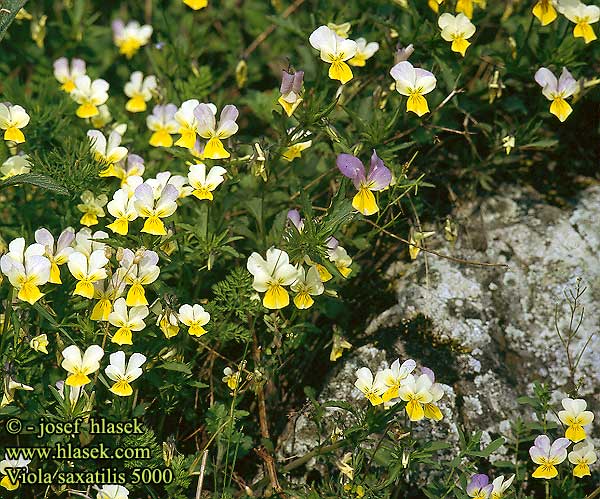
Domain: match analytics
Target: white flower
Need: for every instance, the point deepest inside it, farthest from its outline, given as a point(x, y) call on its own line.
point(87, 243)
point(154, 206)
point(139, 90)
point(26, 269)
point(334, 50)
point(208, 129)
point(575, 417)
point(557, 90)
point(10, 386)
point(89, 95)
point(12, 119)
point(113, 492)
point(127, 321)
point(188, 125)
point(123, 374)
point(138, 270)
point(307, 285)
point(582, 15)
point(416, 392)
point(582, 456)
point(364, 51)
point(194, 317)
point(57, 254)
point(66, 74)
point(123, 209)
point(87, 270)
point(414, 83)
point(500, 486)
point(20, 462)
point(129, 38)
point(271, 275)
point(204, 184)
point(15, 165)
point(372, 387)
point(456, 29)
point(162, 122)
point(110, 151)
point(78, 367)
point(394, 376)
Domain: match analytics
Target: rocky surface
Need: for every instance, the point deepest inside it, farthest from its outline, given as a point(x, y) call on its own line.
point(489, 332)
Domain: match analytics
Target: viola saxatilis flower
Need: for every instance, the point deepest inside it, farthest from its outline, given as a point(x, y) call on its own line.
point(416, 392)
point(89, 95)
point(583, 15)
point(204, 184)
point(557, 91)
point(196, 4)
point(188, 124)
point(138, 270)
point(208, 129)
point(57, 254)
point(15, 165)
point(298, 145)
point(544, 11)
point(13, 464)
point(291, 86)
point(127, 321)
point(500, 486)
point(334, 50)
point(168, 322)
point(394, 376)
point(66, 73)
point(80, 367)
point(340, 258)
point(582, 456)
point(163, 124)
point(133, 166)
point(466, 6)
point(87, 270)
point(39, 343)
point(379, 178)
point(479, 487)
point(548, 456)
point(414, 83)
point(12, 119)
point(232, 378)
point(432, 411)
point(139, 89)
point(123, 209)
point(112, 492)
point(364, 51)
point(155, 206)
point(338, 346)
point(271, 275)
point(194, 317)
point(456, 29)
point(26, 269)
point(129, 38)
point(372, 387)
point(123, 374)
point(106, 291)
point(575, 417)
point(306, 286)
point(92, 207)
point(10, 387)
point(109, 151)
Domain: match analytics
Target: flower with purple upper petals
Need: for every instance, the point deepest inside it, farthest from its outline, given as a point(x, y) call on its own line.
point(378, 179)
point(479, 487)
point(291, 85)
point(548, 456)
point(294, 217)
point(130, 37)
point(557, 90)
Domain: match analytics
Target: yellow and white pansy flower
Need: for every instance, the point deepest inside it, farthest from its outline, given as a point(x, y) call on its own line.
point(271, 275)
point(466, 6)
point(337, 347)
point(106, 292)
point(432, 411)
point(12, 119)
point(583, 16)
point(582, 456)
point(155, 206)
point(129, 38)
point(66, 73)
point(208, 129)
point(372, 387)
point(132, 166)
point(80, 367)
point(334, 50)
point(26, 269)
point(414, 83)
point(139, 89)
point(124, 374)
point(87, 270)
point(307, 285)
point(545, 11)
point(364, 50)
point(89, 95)
point(168, 322)
point(202, 183)
point(557, 91)
point(58, 253)
point(232, 378)
point(500, 486)
point(123, 209)
point(109, 151)
point(416, 392)
point(548, 455)
point(127, 321)
point(163, 124)
point(394, 376)
point(138, 270)
point(7, 463)
point(87, 243)
point(342, 30)
point(10, 386)
point(92, 207)
point(340, 258)
point(291, 86)
point(575, 417)
point(456, 29)
point(39, 343)
point(15, 165)
point(298, 144)
point(194, 317)
point(113, 492)
point(187, 122)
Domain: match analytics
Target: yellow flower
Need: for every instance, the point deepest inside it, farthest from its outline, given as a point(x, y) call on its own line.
point(414, 83)
point(557, 90)
point(583, 15)
point(271, 275)
point(89, 95)
point(123, 374)
point(306, 286)
point(12, 119)
point(372, 387)
point(129, 38)
point(66, 74)
point(295, 150)
point(335, 50)
point(456, 29)
point(194, 317)
point(78, 367)
point(196, 4)
point(87, 270)
point(39, 343)
point(127, 321)
point(231, 378)
point(582, 456)
point(575, 417)
point(92, 208)
point(338, 346)
point(139, 90)
point(544, 11)
point(364, 51)
point(416, 393)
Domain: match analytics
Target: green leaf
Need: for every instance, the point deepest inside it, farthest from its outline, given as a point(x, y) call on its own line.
point(492, 447)
point(6, 18)
point(41, 181)
point(176, 366)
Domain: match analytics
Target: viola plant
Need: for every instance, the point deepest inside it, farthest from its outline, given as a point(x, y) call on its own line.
point(201, 206)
